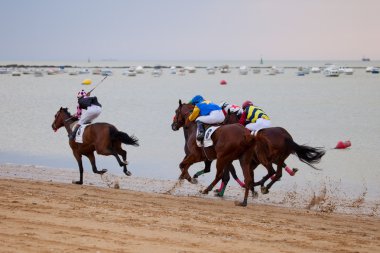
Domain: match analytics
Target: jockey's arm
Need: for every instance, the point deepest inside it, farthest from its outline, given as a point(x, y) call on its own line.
point(194, 114)
point(243, 118)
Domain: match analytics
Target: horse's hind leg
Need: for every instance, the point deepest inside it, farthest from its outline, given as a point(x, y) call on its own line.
point(278, 175)
point(91, 157)
point(221, 163)
point(124, 163)
point(225, 180)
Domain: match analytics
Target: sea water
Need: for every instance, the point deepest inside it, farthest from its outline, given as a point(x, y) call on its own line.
point(316, 110)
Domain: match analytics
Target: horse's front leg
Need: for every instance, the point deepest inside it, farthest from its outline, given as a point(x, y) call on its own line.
point(221, 163)
point(91, 157)
point(184, 166)
point(78, 157)
point(207, 169)
point(247, 167)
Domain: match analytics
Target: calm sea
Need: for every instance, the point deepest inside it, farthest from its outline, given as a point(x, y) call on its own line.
point(316, 110)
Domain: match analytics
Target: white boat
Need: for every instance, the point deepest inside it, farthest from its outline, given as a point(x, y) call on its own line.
point(74, 73)
point(210, 70)
point(38, 73)
point(139, 70)
point(243, 70)
point(270, 72)
point(16, 73)
point(96, 71)
point(5, 71)
point(256, 71)
point(106, 72)
point(157, 71)
point(190, 69)
point(225, 69)
point(173, 70)
point(348, 71)
point(331, 72)
point(83, 71)
point(315, 70)
point(369, 69)
point(375, 70)
point(131, 71)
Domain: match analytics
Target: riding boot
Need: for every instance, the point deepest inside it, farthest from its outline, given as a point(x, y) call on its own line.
point(201, 131)
point(72, 136)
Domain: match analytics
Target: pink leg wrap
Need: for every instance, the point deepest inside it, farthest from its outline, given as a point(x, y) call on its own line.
point(289, 170)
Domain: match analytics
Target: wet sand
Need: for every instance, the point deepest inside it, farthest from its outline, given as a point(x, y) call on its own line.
point(43, 215)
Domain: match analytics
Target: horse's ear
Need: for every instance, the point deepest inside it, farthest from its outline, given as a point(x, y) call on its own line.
point(180, 102)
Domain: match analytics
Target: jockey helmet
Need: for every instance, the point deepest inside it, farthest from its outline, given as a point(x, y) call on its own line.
point(246, 104)
point(223, 105)
point(197, 99)
point(81, 94)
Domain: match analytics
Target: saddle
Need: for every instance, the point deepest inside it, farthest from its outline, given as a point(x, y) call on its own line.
point(80, 132)
point(207, 141)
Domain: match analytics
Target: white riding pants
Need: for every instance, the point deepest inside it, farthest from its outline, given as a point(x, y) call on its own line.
point(259, 124)
point(90, 114)
point(214, 117)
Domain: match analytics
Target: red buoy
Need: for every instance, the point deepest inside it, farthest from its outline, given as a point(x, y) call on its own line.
point(223, 82)
point(343, 144)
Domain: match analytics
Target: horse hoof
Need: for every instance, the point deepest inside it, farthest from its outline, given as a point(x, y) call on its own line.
point(128, 173)
point(218, 194)
point(205, 192)
point(294, 171)
point(255, 194)
point(103, 171)
point(77, 182)
point(264, 190)
point(216, 190)
point(194, 181)
point(237, 203)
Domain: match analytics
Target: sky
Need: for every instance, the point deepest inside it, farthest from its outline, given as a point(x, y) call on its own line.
point(197, 30)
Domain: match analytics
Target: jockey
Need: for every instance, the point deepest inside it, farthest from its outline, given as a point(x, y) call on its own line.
point(253, 117)
point(92, 110)
point(231, 107)
point(205, 112)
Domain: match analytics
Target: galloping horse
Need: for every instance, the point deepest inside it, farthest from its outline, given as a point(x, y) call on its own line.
point(179, 122)
point(231, 142)
point(273, 146)
point(103, 138)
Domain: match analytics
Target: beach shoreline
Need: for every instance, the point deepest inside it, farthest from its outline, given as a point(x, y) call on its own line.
point(41, 214)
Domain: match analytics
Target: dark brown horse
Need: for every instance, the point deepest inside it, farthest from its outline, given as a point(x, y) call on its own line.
point(231, 142)
point(179, 122)
point(103, 138)
point(273, 146)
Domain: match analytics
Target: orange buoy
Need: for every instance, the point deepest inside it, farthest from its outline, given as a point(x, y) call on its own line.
point(343, 144)
point(223, 82)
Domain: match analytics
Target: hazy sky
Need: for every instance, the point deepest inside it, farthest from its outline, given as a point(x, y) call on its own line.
point(189, 29)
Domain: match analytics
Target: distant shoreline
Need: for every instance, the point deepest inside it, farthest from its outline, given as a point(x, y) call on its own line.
point(21, 66)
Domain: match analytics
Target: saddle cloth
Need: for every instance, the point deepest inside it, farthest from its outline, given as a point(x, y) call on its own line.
point(207, 141)
point(79, 134)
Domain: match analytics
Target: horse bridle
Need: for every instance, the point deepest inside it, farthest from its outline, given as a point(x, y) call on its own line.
point(184, 116)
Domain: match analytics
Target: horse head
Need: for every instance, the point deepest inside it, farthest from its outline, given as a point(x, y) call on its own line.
point(181, 114)
point(231, 117)
point(60, 118)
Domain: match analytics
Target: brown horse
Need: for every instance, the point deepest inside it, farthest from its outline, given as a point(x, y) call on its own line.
point(103, 138)
point(273, 146)
point(231, 142)
point(179, 122)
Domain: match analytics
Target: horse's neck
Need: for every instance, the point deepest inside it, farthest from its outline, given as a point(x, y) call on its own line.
point(69, 125)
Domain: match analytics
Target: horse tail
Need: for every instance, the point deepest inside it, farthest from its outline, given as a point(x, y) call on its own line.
point(123, 137)
point(308, 155)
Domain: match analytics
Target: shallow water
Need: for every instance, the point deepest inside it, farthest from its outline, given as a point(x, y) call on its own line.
point(316, 110)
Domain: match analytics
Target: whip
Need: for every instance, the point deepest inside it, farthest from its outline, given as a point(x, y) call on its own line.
point(98, 84)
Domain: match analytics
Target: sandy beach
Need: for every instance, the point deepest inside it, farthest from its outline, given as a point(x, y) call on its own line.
point(40, 214)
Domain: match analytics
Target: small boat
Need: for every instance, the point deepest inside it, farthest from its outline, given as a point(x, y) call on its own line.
point(173, 70)
point(225, 69)
point(243, 70)
point(83, 71)
point(96, 71)
point(365, 59)
point(4, 71)
point(256, 71)
point(375, 70)
point(210, 70)
point(38, 73)
point(157, 71)
point(315, 70)
point(16, 73)
point(106, 72)
point(369, 69)
point(331, 72)
point(348, 71)
point(190, 69)
point(139, 70)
